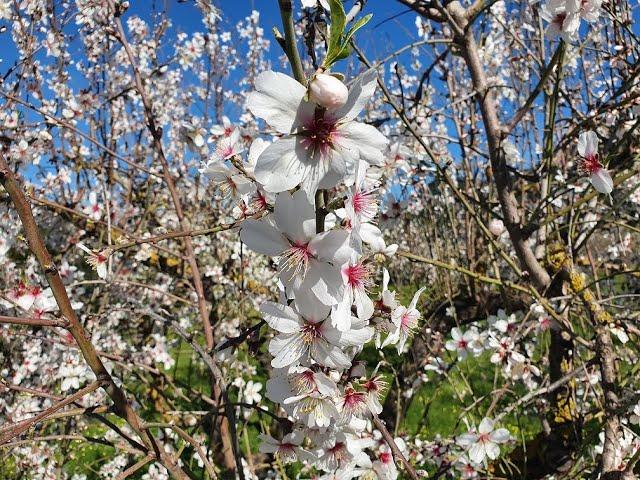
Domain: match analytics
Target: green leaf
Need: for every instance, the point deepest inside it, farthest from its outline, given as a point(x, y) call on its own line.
point(357, 26)
point(338, 22)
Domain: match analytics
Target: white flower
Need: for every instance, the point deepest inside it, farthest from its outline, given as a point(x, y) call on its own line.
point(318, 146)
point(485, 442)
point(590, 164)
point(288, 449)
point(301, 337)
point(357, 278)
point(464, 343)
point(94, 209)
point(309, 262)
point(97, 260)
point(251, 392)
point(405, 319)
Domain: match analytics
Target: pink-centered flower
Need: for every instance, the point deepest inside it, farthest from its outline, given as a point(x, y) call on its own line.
point(309, 261)
point(485, 441)
point(405, 320)
point(357, 279)
point(590, 163)
point(288, 449)
point(318, 145)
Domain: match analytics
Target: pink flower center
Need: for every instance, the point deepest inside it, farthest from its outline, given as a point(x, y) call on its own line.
point(462, 344)
point(483, 438)
point(319, 135)
point(353, 401)
point(385, 457)
point(559, 19)
point(408, 321)
point(304, 382)
point(356, 276)
point(364, 204)
point(296, 258)
point(338, 451)
point(590, 164)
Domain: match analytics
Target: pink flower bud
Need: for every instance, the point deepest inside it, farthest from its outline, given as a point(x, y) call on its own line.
point(496, 226)
point(327, 91)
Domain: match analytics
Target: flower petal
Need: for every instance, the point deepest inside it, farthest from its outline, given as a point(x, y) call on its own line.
point(602, 181)
point(280, 317)
point(279, 100)
point(262, 237)
point(279, 168)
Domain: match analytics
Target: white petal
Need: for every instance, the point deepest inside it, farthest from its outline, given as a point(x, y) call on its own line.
point(280, 317)
point(587, 143)
point(492, 449)
point(332, 246)
point(477, 453)
point(341, 313)
point(359, 94)
point(364, 305)
point(101, 270)
point(486, 425)
point(325, 281)
point(602, 182)
point(287, 348)
point(310, 308)
point(262, 237)
point(362, 141)
point(295, 216)
point(279, 167)
point(500, 435)
point(328, 355)
point(278, 99)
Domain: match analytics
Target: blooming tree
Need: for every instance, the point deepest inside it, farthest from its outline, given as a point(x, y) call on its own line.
point(228, 253)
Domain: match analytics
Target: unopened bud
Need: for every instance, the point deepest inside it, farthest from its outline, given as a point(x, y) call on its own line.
point(496, 227)
point(327, 91)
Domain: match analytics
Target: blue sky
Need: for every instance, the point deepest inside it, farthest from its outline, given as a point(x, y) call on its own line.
point(186, 17)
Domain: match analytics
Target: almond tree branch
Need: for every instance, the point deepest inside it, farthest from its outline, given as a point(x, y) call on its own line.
point(397, 453)
point(12, 430)
point(35, 322)
point(36, 243)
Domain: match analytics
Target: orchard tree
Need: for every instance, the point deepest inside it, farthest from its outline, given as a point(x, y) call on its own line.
point(272, 249)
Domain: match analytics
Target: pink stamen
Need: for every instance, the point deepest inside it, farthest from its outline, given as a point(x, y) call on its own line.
point(296, 258)
point(357, 276)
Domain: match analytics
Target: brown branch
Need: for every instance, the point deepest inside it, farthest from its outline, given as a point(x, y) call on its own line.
point(397, 454)
point(35, 322)
point(9, 432)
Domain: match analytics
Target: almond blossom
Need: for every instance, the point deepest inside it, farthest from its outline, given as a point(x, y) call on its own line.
point(590, 163)
point(318, 146)
point(309, 261)
point(485, 442)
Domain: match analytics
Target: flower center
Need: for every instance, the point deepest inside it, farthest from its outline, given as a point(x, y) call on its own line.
point(353, 401)
point(296, 258)
point(310, 332)
point(319, 135)
point(303, 382)
point(365, 204)
point(590, 164)
point(408, 320)
point(357, 276)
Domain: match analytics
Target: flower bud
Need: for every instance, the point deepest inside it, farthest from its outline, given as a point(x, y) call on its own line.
point(327, 91)
point(496, 227)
